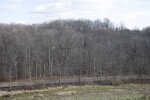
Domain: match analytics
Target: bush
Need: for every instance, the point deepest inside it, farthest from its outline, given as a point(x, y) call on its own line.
point(107, 82)
point(6, 95)
point(2, 79)
point(117, 82)
point(112, 82)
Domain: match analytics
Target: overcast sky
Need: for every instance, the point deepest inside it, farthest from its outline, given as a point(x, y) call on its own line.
point(133, 13)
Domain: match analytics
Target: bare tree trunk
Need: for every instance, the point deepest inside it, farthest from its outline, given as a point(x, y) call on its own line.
point(94, 71)
point(16, 71)
point(49, 59)
point(5, 72)
point(25, 71)
point(51, 67)
point(79, 76)
point(36, 70)
point(51, 70)
point(30, 70)
point(100, 74)
point(44, 71)
point(10, 79)
point(40, 71)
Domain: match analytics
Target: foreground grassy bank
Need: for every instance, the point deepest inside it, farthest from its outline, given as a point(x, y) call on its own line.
point(92, 92)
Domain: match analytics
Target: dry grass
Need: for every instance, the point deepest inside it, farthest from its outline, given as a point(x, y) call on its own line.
point(17, 92)
point(65, 93)
point(81, 93)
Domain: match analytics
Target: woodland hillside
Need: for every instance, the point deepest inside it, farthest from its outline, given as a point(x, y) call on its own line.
point(72, 48)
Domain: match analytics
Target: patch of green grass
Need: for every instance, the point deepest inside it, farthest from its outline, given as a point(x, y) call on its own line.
point(99, 87)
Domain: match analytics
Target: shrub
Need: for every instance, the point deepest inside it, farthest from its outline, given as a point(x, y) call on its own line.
point(7, 95)
point(2, 79)
point(112, 82)
point(117, 82)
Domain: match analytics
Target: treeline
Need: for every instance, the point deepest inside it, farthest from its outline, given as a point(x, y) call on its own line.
point(72, 48)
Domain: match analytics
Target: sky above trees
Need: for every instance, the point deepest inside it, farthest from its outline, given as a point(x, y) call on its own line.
point(132, 13)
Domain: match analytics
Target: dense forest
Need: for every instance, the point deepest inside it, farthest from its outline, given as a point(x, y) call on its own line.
point(62, 48)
